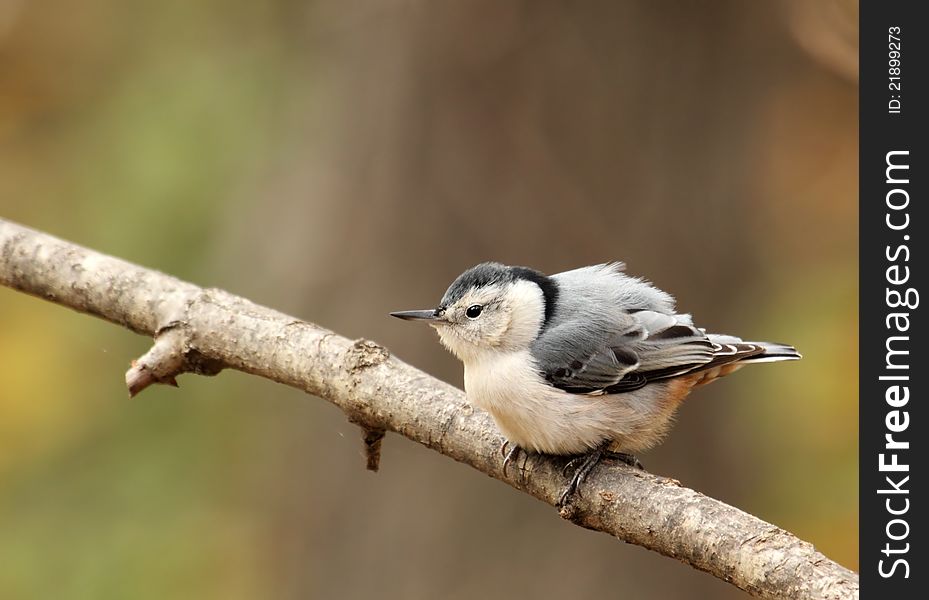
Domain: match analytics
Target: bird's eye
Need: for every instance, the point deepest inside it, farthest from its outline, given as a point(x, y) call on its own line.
point(474, 311)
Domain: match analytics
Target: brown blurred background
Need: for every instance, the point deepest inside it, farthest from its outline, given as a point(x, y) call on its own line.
point(340, 160)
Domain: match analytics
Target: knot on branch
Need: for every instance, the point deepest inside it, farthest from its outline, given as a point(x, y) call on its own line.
point(365, 353)
point(168, 357)
point(198, 363)
point(362, 355)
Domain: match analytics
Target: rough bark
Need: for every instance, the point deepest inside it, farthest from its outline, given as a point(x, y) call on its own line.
point(205, 330)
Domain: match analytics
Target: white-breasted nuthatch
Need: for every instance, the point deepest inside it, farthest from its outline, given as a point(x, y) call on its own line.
point(586, 361)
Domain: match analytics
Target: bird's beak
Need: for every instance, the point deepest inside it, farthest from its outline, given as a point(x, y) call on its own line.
point(416, 315)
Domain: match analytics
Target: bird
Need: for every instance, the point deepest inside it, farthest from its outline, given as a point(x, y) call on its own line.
point(587, 363)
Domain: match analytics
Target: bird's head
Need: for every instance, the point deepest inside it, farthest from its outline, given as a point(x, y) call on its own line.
point(490, 308)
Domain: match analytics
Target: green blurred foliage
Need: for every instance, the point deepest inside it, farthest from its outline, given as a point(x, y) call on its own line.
point(135, 154)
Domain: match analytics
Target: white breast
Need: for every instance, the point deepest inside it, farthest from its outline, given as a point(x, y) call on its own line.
point(539, 417)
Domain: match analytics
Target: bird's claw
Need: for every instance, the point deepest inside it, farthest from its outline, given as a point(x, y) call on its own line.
point(586, 463)
point(512, 455)
point(509, 456)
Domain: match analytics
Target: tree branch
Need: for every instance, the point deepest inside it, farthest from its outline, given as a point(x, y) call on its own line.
point(204, 330)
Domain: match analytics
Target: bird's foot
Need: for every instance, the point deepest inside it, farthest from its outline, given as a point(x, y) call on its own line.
point(585, 464)
point(511, 456)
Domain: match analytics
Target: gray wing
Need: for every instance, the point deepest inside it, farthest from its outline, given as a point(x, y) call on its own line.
point(622, 355)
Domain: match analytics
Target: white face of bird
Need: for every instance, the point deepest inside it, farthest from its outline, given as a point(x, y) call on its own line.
point(488, 319)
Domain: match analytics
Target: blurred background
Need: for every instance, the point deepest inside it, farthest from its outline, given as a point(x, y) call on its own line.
point(340, 160)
